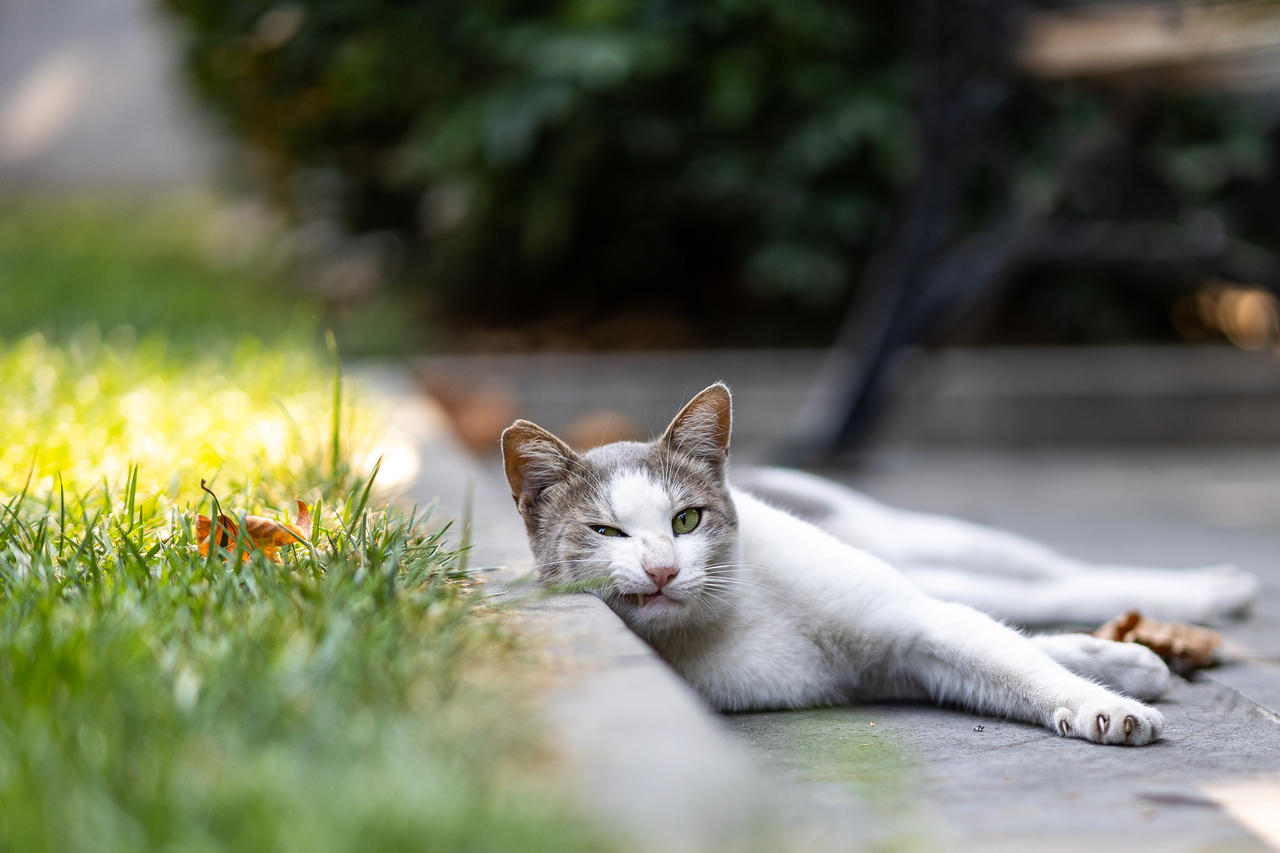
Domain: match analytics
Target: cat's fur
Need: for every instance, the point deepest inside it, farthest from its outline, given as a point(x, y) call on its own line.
point(757, 608)
point(1001, 574)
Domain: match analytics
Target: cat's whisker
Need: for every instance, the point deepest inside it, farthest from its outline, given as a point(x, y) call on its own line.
point(773, 596)
point(716, 606)
point(727, 582)
point(766, 595)
point(705, 599)
point(716, 566)
point(729, 575)
point(715, 596)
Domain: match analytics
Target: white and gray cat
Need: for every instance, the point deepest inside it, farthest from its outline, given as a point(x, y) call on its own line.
point(758, 608)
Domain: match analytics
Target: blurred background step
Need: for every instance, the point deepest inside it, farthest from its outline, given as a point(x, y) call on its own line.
point(985, 397)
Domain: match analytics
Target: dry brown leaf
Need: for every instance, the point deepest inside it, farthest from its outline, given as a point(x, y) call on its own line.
point(1184, 647)
point(261, 534)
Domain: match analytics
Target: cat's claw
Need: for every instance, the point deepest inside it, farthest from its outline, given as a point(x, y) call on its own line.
point(1112, 719)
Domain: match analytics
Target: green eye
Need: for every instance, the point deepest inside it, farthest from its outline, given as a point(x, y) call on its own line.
point(686, 520)
point(606, 530)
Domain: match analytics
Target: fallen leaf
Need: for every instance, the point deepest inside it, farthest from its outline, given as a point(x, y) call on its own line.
point(261, 534)
point(1184, 647)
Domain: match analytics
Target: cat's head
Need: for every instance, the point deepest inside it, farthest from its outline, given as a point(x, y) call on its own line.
point(649, 527)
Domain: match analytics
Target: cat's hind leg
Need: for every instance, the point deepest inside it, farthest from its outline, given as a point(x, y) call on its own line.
point(1003, 574)
point(1094, 595)
point(903, 538)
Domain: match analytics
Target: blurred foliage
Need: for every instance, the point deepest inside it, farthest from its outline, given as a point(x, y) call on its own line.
point(1203, 164)
point(589, 152)
point(736, 160)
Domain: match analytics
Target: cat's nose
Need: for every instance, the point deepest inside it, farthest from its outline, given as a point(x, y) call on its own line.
point(661, 575)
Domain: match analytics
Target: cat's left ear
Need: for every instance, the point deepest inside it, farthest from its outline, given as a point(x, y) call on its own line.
point(702, 428)
point(534, 459)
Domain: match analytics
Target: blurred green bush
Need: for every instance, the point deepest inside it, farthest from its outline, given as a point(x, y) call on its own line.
point(588, 153)
point(734, 160)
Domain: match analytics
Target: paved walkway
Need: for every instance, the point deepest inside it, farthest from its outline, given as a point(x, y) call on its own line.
point(656, 766)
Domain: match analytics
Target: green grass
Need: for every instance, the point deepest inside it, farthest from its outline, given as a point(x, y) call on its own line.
point(186, 268)
point(361, 695)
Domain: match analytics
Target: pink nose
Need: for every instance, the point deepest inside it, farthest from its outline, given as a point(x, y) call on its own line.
point(662, 575)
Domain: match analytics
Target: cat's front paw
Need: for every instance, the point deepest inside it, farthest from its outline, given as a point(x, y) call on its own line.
point(1109, 719)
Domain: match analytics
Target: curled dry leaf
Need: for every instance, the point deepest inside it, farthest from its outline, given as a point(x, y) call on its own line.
point(1184, 647)
point(262, 534)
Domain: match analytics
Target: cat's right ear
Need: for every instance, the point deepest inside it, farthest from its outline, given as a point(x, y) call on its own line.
point(702, 428)
point(534, 459)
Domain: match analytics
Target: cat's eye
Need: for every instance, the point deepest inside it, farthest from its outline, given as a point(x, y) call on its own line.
point(606, 530)
point(686, 520)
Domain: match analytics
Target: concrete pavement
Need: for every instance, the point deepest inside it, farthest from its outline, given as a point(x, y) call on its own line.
point(645, 755)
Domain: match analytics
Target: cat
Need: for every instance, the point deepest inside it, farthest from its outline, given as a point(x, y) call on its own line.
point(757, 608)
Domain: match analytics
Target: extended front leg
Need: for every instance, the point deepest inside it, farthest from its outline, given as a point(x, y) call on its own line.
point(956, 655)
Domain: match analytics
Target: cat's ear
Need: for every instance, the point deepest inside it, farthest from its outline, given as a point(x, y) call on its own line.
point(702, 427)
point(534, 459)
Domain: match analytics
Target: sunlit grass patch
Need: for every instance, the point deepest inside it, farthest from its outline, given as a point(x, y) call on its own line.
point(358, 696)
point(85, 412)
